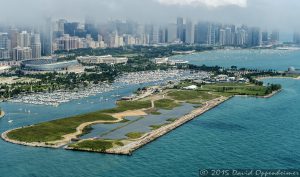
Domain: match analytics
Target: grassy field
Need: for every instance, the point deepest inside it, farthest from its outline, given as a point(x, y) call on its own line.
point(185, 95)
point(166, 104)
point(96, 145)
point(128, 105)
point(135, 135)
point(229, 89)
point(54, 130)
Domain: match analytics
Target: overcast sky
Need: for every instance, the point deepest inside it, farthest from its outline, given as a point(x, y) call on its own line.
point(281, 14)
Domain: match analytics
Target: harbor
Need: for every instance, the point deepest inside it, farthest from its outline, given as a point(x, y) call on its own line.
point(58, 97)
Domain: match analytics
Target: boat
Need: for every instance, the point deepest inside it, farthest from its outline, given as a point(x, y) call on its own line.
point(10, 121)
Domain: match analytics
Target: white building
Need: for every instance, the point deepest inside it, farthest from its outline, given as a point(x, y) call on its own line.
point(107, 59)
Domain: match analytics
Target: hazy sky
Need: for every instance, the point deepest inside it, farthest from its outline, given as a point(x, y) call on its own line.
point(269, 14)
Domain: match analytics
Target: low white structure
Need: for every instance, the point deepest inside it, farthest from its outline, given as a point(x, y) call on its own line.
point(106, 59)
point(191, 87)
point(168, 61)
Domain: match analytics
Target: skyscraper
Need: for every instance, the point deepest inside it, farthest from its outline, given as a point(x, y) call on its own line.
point(36, 46)
point(254, 37)
point(180, 29)
point(189, 32)
point(172, 33)
point(265, 37)
point(5, 42)
point(275, 36)
point(222, 37)
point(47, 38)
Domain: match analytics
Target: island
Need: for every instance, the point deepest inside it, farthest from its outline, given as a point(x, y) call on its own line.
point(169, 106)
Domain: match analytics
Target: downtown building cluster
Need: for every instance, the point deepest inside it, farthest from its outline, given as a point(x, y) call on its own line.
point(64, 35)
point(73, 35)
point(20, 45)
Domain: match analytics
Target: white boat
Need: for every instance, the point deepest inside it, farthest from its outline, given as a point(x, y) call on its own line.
point(10, 121)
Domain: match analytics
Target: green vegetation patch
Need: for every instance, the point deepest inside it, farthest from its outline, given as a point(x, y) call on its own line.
point(135, 135)
point(94, 145)
point(166, 104)
point(172, 119)
point(154, 127)
point(129, 105)
point(184, 95)
point(229, 89)
point(54, 130)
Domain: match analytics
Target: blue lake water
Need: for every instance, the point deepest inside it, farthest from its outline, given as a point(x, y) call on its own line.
point(255, 59)
point(241, 133)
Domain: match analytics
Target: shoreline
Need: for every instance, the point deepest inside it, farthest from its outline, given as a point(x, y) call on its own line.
point(277, 77)
point(135, 144)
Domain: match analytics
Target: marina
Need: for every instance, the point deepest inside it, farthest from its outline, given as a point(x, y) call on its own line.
point(56, 98)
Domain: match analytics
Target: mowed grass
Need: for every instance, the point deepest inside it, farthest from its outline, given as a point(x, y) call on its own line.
point(94, 145)
point(128, 105)
point(54, 130)
point(166, 104)
point(229, 89)
point(185, 95)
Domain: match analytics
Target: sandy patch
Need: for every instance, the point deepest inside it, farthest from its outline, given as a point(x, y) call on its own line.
point(129, 113)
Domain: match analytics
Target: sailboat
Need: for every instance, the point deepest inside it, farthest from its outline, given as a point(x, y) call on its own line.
point(9, 120)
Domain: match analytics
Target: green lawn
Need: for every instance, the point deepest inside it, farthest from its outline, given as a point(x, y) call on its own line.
point(128, 105)
point(95, 145)
point(54, 130)
point(229, 89)
point(185, 95)
point(166, 104)
point(135, 135)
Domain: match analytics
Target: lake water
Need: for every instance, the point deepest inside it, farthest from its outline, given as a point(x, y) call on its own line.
point(240, 133)
point(255, 59)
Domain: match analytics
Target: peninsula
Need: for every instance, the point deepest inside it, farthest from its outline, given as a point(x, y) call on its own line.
point(153, 103)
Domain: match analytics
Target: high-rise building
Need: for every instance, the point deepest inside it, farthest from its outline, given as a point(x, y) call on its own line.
point(23, 39)
point(5, 42)
point(21, 53)
point(254, 37)
point(180, 29)
point(47, 38)
point(275, 36)
point(172, 33)
point(296, 37)
point(36, 46)
point(241, 37)
point(205, 33)
point(265, 37)
point(222, 37)
point(5, 46)
point(228, 36)
point(189, 32)
point(13, 36)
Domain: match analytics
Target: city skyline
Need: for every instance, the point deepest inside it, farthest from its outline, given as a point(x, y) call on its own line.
point(263, 13)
